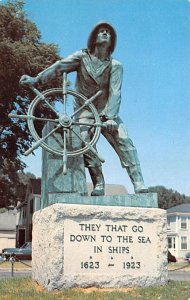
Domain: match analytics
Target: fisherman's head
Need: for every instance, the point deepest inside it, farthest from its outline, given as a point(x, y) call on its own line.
point(103, 32)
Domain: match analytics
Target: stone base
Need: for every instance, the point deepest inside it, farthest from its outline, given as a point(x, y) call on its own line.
point(134, 200)
point(102, 246)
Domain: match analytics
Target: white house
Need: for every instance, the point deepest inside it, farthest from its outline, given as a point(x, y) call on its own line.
point(178, 230)
point(25, 212)
point(8, 228)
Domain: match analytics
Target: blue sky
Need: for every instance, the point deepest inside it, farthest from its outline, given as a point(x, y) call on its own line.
point(153, 45)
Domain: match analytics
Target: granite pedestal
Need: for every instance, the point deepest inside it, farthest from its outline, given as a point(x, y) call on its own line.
point(100, 245)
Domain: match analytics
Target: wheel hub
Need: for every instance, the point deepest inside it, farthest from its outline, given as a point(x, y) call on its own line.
point(65, 121)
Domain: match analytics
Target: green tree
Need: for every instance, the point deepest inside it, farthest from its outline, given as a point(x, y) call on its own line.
point(21, 52)
point(168, 198)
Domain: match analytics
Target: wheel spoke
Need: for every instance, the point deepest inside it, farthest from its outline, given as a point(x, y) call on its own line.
point(25, 117)
point(65, 153)
point(30, 117)
point(64, 92)
point(89, 146)
point(43, 98)
point(37, 144)
point(88, 124)
point(87, 103)
point(46, 119)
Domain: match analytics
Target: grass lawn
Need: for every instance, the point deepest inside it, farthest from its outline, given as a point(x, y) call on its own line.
point(26, 289)
point(17, 265)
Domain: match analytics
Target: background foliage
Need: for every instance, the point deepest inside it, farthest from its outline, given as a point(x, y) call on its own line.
point(21, 52)
point(168, 198)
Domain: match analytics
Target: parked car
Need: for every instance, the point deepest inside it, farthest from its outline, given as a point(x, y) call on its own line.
point(187, 257)
point(171, 258)
point(24, 252)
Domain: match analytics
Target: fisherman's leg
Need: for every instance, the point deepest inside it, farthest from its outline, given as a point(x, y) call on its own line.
point(127, 153)
point(95, 170)
point(92, 162)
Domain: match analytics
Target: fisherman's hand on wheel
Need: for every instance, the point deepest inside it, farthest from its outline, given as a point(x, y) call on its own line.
point(111, 125)
point(26, 80)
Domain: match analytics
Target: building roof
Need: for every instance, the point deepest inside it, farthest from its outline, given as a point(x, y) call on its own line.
point(110, 189)
point(115, 189)
point(8, 220)
point(182, 208)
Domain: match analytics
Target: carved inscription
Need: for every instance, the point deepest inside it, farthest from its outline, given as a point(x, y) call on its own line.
point(101, 247)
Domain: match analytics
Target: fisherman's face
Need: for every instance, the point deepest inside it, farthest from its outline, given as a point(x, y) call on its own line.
point(103, 36)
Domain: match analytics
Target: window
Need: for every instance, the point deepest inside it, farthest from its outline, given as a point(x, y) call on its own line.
point(24, 211)
point(31, 206)
point(171, 220)
point(183, 243)
point(168, 222)
point(183, 222)
point(171, 242)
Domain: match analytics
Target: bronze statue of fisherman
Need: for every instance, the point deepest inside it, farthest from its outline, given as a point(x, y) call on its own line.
point(97, 70)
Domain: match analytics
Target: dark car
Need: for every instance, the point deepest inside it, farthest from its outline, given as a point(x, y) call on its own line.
point(171, 258)
point(24, 252)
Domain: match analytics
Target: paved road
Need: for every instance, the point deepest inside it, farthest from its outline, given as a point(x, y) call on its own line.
point(172, 275)
point(179, 275)
point(8, 273)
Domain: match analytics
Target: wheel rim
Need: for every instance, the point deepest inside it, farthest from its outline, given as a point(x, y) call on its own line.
point(44, 145)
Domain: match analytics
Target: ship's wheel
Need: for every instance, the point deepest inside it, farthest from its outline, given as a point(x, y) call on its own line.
point(56, 103)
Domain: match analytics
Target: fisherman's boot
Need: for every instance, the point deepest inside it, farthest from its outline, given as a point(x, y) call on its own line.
point(98, 181)
point(137, 179)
